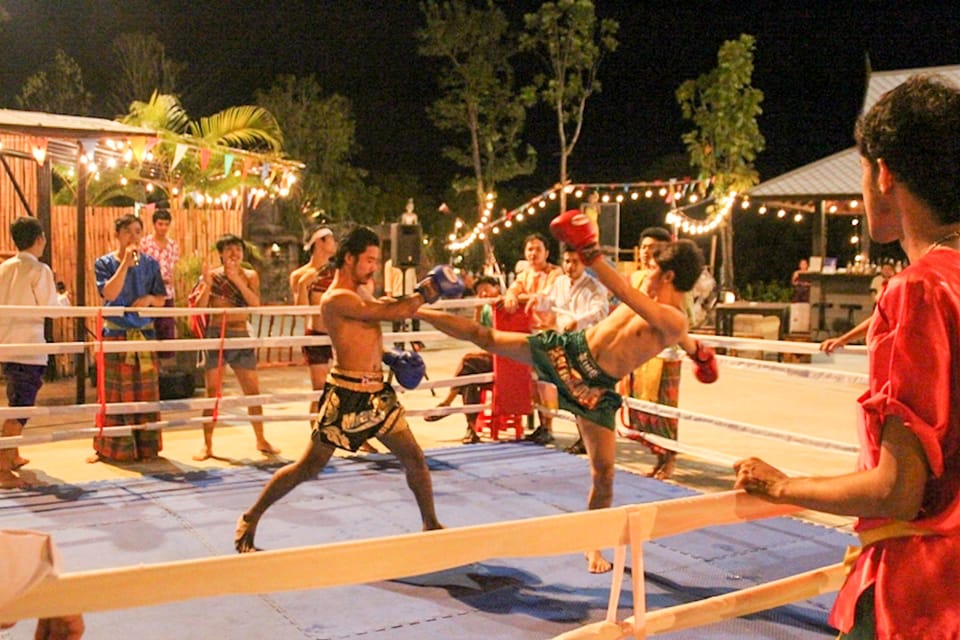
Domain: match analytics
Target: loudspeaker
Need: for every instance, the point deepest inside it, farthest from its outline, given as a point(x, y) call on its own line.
point(405, 242)
point(609, 224)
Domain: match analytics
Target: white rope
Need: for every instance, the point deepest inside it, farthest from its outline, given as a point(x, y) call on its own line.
point(59, 311)
point(741, 427)
point(796, 370)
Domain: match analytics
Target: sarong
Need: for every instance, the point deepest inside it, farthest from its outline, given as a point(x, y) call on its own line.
point(130, 377)
point(473, 364)
point(583, 388)
point(357, 406)
point(657, 380)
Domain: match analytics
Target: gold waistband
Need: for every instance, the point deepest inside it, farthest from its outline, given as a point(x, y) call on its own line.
point(895, 529)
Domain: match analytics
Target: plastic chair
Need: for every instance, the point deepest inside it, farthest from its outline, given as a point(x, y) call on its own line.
point(512, 385)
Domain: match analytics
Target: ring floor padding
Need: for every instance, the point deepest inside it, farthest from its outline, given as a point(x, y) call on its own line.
point(192, 515)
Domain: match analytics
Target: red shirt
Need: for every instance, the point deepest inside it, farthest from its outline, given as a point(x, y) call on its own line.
point(914, 351)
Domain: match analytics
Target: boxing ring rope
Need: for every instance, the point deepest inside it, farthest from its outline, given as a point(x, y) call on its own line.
point(424, 552)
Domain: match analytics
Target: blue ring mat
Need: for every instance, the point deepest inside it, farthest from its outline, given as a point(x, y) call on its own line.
point(165, 517)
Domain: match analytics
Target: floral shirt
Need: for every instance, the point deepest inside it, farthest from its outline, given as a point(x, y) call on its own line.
point(167, 257)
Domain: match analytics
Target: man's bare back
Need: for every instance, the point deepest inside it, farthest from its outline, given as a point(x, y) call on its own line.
point(624, 340)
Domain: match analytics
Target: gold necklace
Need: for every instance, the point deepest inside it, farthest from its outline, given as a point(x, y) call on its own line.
point(942, 241)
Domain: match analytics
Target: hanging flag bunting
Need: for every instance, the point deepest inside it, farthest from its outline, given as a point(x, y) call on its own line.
point(150, 143)
point(88, 146)
point(265, 171)
point(247, 163)
point(227, 163)
point(178, 153)
point(138, 146)
point(148, 209)
point(205, 155)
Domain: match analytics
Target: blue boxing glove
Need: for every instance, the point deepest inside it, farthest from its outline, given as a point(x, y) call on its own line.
point(441, 282)
point(407, 367)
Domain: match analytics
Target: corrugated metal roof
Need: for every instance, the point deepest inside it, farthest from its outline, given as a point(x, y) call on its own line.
point(64, 126)
point(838, 176)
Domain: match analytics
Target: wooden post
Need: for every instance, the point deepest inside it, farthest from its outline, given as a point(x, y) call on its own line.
point(80, 361)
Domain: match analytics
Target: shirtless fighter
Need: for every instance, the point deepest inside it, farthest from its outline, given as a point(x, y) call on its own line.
point(308, 283)
point(356, 403)
point(585, 365)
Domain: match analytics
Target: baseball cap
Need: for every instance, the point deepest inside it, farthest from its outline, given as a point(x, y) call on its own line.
point(319, 234)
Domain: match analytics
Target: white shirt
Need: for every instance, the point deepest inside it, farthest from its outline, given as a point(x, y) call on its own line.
point(584, 301)
point(26, 282)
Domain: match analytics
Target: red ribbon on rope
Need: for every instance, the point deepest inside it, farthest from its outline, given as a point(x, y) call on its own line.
point(100, 360)
point(223, 336)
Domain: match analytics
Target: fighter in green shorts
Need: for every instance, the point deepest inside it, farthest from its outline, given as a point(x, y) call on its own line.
point(585, 365)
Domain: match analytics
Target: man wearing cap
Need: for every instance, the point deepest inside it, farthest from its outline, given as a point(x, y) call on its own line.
point(308, 284)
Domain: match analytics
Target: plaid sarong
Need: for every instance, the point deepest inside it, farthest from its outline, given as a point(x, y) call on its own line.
point(667, 393)
point(126, 380)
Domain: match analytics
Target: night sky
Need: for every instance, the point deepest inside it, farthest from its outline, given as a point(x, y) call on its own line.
point(810, 64)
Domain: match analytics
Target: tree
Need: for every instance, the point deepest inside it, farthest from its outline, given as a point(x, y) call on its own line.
point(724, 107)
point(57, 89)
point(243, 127)
point(479, 99)
point(143, 68)
point(570, 45)
point(321, 132)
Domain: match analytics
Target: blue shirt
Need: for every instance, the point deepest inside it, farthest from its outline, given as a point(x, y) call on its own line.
point(142, 279)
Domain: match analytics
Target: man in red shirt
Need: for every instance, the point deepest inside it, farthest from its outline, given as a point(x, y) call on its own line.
point(906, 490)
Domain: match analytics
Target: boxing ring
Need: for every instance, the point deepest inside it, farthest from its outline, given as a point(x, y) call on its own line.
point(629, 530)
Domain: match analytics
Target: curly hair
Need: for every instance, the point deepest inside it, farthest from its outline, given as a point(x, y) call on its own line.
point(915, 128)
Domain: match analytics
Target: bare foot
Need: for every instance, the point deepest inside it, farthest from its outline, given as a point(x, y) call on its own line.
point(205, 454)
point(433, 526)
point(267, 449)
point(366, 447)
point(20, 462)
point(243, 538)
point(94, 458)
point(665, 467)
point(10, 480)
point(596, 563)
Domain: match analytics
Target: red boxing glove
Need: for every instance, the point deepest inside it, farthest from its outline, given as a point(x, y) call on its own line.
point(705, 360)
point(578, 231)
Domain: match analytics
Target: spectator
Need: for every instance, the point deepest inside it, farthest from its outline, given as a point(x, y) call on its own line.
point(166, 252)
point(25, 282)
point(801, 288)
point(579, 301)
point(26, 558)
point(538, 276)
point(125, 278)
point(658, 379)
point(902, 582)
point(63, 296)
point(230, 286)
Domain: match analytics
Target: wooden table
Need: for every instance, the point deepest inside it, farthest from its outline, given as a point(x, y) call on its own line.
point(727, 312)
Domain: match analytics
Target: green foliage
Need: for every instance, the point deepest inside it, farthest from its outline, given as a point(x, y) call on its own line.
point(58, 88)
point(772, 291)
point(724, 107)
point(570, 45)
point(143, 68)
point(479, 102)
point(320, 132)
